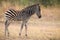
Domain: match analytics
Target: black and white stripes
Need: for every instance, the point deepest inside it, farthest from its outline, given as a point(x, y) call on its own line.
point(10, 14)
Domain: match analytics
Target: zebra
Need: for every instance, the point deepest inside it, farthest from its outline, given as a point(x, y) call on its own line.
point(21, 15)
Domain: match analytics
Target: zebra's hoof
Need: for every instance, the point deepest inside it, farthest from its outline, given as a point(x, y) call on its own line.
point(19, 34)
point(25, 34)
point(8, 34)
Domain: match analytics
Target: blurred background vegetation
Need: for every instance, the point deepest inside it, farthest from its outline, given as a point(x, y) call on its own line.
point(29, 2)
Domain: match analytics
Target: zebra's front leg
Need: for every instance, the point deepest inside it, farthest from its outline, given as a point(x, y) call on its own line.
point(25, 30)
point(21, 28)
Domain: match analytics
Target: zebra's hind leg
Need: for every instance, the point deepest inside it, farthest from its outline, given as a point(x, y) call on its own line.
point(6, 28)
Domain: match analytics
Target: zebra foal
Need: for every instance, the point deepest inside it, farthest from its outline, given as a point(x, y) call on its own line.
point(23, 15)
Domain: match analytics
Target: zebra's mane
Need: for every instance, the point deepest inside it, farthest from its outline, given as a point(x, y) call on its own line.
point(29, 7)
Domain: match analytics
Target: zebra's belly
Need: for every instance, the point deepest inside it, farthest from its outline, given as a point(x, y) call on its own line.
point(14, 19)
point(17, 19)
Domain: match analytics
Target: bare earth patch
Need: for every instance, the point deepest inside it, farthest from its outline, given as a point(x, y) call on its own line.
point(36, 31)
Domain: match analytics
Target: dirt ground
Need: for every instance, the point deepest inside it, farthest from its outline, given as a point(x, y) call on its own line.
point(36, 31)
